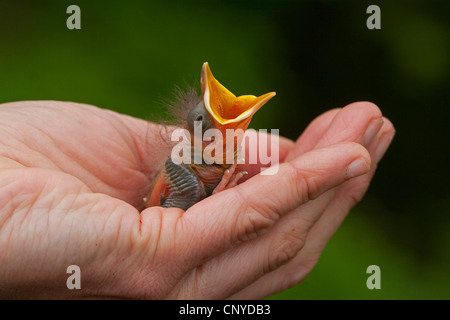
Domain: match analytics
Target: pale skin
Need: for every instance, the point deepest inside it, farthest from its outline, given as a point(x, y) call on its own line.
point(72, 182)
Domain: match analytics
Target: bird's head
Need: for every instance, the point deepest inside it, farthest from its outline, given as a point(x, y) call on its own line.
point(220, 109)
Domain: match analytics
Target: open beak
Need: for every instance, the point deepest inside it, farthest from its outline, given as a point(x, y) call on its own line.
point(227, 110)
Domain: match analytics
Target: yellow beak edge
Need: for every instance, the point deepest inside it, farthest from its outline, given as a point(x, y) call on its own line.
point(224, 106)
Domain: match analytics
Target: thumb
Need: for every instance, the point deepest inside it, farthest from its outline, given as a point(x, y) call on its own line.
point(246, 211)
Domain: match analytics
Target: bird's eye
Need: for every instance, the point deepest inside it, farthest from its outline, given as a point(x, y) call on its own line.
point(199, 113)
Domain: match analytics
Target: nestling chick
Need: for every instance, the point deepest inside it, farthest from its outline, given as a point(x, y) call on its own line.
point(210, 165)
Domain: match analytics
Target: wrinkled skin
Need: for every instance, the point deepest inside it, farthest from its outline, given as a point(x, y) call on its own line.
point(72, 182)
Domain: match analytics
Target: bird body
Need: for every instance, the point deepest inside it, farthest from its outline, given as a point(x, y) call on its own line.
point(218, 116)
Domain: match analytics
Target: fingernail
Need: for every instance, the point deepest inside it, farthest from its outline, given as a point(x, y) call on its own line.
point(383, 145)
point(372, 130)
point(358, 167)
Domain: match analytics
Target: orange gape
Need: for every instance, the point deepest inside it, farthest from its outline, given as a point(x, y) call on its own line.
point(183, 185)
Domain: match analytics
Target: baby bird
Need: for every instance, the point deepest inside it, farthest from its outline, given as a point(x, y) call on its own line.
point(209, 165)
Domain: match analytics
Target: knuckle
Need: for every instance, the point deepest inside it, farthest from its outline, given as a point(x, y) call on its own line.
point(254, 220)
point(284, 249)
point(255, 224)
point(306, 187)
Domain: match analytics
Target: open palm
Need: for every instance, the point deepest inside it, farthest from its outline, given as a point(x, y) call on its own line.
point(73, 179)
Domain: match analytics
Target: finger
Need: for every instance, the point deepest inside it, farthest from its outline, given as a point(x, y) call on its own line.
point(263, 144)
point(312, 134)
point(339, 205)
point(358, 122)
point(287, 148)
point(351, 192)
point(345, 198)
point(361, 133)
point(256, 209)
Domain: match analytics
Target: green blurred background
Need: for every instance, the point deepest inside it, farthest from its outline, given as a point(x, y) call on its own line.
point(130, 55)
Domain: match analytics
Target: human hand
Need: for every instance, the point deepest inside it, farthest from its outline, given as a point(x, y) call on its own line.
point(72, 182)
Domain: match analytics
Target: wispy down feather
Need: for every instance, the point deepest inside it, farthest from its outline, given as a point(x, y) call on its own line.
point(179, 107)
point(176, 112)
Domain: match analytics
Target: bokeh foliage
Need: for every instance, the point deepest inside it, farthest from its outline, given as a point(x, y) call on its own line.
point(129, 56)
